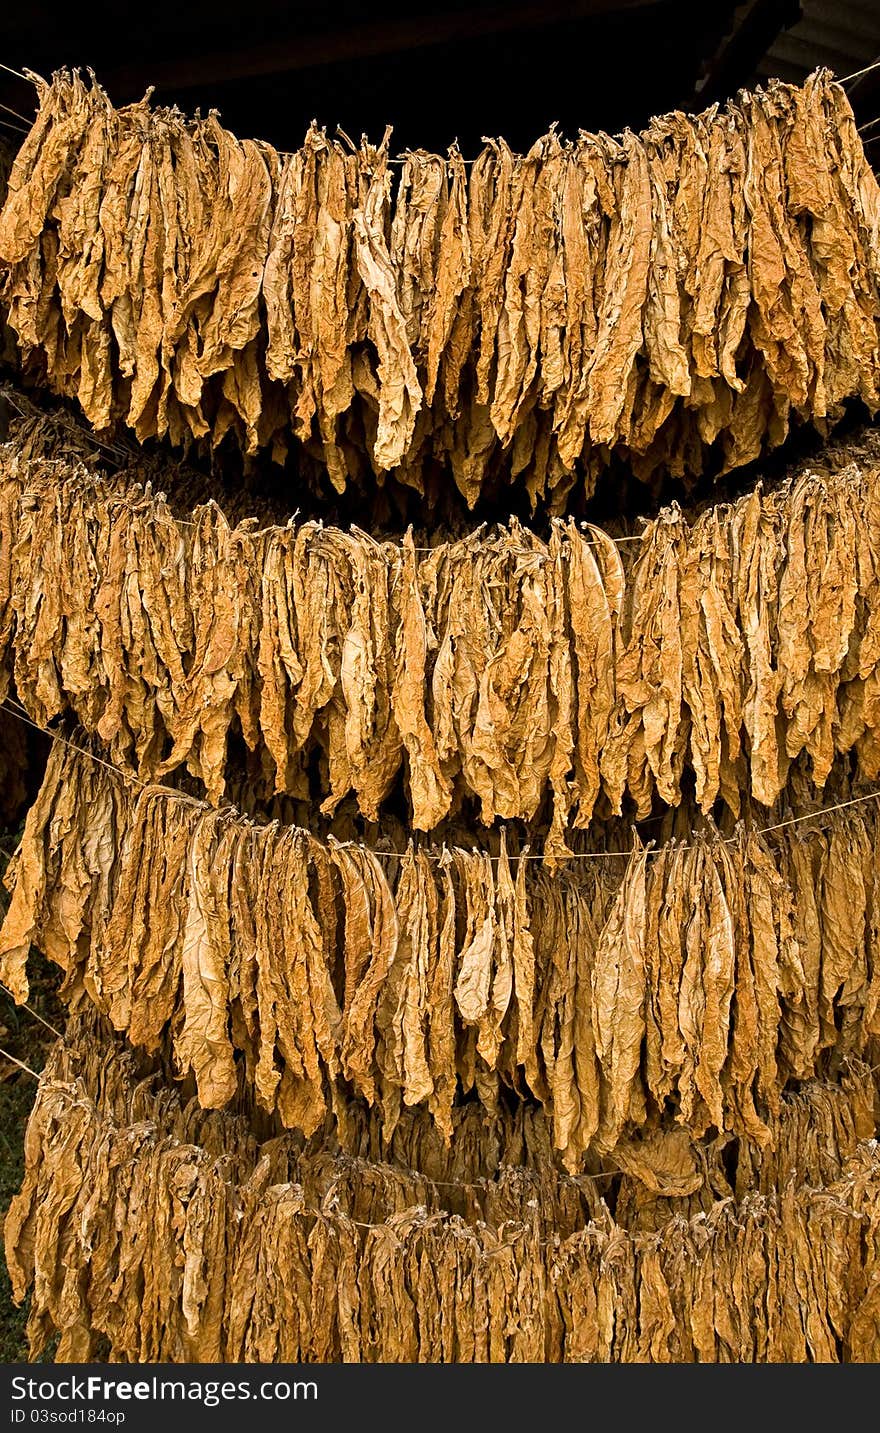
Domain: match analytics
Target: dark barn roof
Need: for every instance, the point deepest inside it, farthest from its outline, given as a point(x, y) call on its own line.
point(458, 71)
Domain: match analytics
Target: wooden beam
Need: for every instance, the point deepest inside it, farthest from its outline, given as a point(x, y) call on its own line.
point(308, 51)
point(756, 26)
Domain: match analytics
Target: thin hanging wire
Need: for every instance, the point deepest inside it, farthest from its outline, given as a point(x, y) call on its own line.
point(10, 707)
point(844, 81)
point(20, 1063)
point(857, 74)
point(23, 1005)
point(22, 117)
point(287, 154)
point(523, 1226)
point(182, 796)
